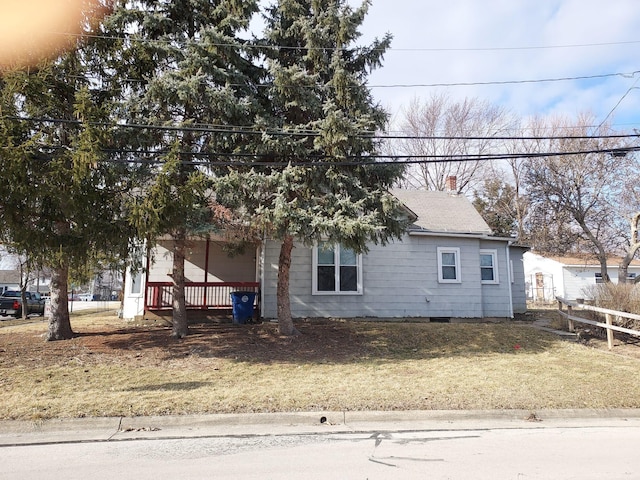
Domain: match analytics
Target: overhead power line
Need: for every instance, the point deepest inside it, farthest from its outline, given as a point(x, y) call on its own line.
point(631, 74)
point(250, 130)
point(507, 82)
point(261, 46)
point(247, 160)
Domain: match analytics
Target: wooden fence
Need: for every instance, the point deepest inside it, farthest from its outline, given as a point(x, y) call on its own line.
point(611, 316)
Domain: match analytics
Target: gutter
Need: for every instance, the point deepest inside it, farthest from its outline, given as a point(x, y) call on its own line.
point(476, 236)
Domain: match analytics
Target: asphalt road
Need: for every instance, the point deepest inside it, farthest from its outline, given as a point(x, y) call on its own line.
point(99, 305)
point(590, 447)
point(77, 306)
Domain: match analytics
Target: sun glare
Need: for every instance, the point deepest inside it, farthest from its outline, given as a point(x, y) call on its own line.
point(33, 30)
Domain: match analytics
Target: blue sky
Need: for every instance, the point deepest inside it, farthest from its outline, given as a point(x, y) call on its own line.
point(472, 41)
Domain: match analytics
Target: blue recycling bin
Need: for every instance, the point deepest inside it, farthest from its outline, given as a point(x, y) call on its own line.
point(242, 304)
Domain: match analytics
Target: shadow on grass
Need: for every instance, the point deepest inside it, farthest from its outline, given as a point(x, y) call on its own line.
point(327, 341)
point(172, 387)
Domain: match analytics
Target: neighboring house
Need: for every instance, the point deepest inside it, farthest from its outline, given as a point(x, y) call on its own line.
point(568, 277)
point(446, 266)
point(9, 280)
point(106, 285)
point(9, 264)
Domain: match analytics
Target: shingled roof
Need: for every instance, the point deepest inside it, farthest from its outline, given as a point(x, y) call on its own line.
point(9, 277)
point(442, 212)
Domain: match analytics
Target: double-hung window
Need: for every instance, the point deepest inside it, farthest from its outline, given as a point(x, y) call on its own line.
point(489, 266)
point(336, 270)
point(449, 265)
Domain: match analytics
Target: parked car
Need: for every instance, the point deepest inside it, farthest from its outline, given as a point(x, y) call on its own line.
point(11, 303)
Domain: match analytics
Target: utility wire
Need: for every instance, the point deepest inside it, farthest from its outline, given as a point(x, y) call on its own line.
point(444, 84)
point(632, 87)
point(269, 160)
point(508, 82)
point(249, 130)
point(249, 44)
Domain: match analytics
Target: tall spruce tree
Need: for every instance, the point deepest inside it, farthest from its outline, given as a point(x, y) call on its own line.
point(321, 123)
point(62, 200)
point(188, 79)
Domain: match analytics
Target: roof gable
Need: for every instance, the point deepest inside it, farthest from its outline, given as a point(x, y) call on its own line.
point(442, 212)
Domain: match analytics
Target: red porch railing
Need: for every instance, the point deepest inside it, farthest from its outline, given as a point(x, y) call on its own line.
point(198, 295)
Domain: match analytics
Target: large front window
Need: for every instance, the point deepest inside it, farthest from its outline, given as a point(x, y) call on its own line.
point(336, 269)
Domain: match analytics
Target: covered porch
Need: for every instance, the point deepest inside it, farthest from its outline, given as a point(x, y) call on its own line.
point(211, 274)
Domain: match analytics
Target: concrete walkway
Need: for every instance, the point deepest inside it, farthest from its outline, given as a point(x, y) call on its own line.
point(544, 325)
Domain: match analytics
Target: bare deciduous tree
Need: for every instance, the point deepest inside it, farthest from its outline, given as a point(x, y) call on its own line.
point(634, 247)
point(444, 131)
point(577, 193)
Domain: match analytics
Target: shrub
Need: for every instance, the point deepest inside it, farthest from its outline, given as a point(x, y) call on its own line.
point(623, 297)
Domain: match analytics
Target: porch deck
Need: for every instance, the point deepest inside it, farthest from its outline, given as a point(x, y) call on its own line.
point(198, 295)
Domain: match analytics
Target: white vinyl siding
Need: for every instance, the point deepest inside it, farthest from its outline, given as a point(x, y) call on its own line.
point(449, 265)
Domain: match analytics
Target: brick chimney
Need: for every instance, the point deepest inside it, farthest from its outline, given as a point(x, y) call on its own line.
point(452, 184)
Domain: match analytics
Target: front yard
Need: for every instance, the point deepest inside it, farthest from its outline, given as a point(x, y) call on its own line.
point(112, 369)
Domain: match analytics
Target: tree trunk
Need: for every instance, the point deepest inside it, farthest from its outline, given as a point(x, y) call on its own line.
point(601, 254)
point(285, 322)
point(24, 281)
point(23, 299)
point(623, 268)
point(180, 324)
point(59, 323)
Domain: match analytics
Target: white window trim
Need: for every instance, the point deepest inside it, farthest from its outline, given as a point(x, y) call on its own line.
point(314, 274)
point(494, 255)
point(456, 252)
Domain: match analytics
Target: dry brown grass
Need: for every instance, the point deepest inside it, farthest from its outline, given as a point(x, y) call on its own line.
point(112, 369)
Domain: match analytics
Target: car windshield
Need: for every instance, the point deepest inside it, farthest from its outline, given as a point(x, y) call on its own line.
point(10, 293)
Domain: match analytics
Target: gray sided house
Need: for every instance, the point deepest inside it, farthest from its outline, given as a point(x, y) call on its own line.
point(447, 266)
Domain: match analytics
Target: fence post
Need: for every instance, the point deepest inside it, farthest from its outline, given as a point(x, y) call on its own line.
point(609, 318)
point(572, 327)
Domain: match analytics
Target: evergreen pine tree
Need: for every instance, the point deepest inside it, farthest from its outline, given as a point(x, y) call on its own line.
point(62, 201)
point(183, 67)
point(322, 121)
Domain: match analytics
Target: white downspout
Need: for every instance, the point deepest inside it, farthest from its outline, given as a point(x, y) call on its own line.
point(510, 279)
point(260, 273)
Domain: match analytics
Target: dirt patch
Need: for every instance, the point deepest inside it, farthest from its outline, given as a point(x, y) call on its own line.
point(150, 345)
point(322, 340)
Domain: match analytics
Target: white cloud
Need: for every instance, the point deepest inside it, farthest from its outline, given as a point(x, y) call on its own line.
point(492, 35)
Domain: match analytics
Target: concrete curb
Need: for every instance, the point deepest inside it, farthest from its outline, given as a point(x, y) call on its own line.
point(17, 433)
